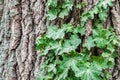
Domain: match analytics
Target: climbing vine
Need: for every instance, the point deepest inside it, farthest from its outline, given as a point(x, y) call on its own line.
point(67, 55)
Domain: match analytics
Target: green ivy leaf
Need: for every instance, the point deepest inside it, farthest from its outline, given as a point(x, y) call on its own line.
point(55, 33)
point(100, 42)
point(80, 30)
point(45, 51)
point(52, 3)
point(103, 15)
point(63, 13)
point(111, 62)
point(52, 14)
point(67, 64)
point(90, 72)
point(68, 27)
point(68, 4)
point(74, 41)
point(89, 43)
point(64, 74)
point(42, 42)
point(79, 6)
point(52, 67)
point(111, 47)
point(105, 54)
point(71, 44)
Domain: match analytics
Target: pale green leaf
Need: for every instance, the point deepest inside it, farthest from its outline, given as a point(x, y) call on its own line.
point(89, 43)
point(63, 13)
point(55, 33)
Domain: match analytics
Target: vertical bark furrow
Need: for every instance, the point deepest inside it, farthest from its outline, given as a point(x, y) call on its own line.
point(115, 13)
point(16, 30)
point(28, 44)
point(1, 8)
point(39, 16)
point(38, 8)
point(116, 21)
point(15, 27)
point(31, 55)
point(5, 33)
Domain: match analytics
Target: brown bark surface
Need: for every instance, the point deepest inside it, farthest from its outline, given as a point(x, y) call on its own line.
point(22, 21)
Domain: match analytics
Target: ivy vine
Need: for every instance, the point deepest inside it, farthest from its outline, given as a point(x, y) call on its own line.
point(60, 46)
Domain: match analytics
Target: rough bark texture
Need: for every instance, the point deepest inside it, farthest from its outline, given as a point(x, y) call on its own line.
point(115, 13)
point(22, 21)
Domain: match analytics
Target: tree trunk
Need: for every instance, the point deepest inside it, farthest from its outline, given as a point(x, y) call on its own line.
point(22, 21)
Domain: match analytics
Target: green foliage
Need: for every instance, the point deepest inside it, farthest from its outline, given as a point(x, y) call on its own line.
point(68, 57)
point(59, 9)
point(55, 33)
point(89, 43)
point(101, 9)
point(80, 5)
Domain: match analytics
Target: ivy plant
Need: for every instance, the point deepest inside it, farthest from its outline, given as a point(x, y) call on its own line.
point(67, 56)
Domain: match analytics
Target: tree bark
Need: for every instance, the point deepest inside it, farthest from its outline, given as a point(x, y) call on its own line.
point(22, 21)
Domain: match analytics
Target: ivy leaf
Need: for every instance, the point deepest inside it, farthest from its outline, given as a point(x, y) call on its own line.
point(56, 46)
point(67, 64)
point(55, 33)
point(91, 14)
point(64, 74)
point(71, 44)
point(105, 54)
point(106, 3)
point(52, 68)
point(110, 3)
point(100, 62)
point(84, 18)
point(52, 14)
point(45, 51)
point(68, 4)
point(52, 3)
point(80, 30)
point(63, 13)
point(89, 43)
point(73, 64)
point(74, 41)
point(79, 6)
point(68, 27)
point(103, 15)
point(95, 10)
point(100, 42)
point(111, 62)
point(109, 59)
point(90, 72)
point(66, 47)
point(42, 42)
point(111, 47)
